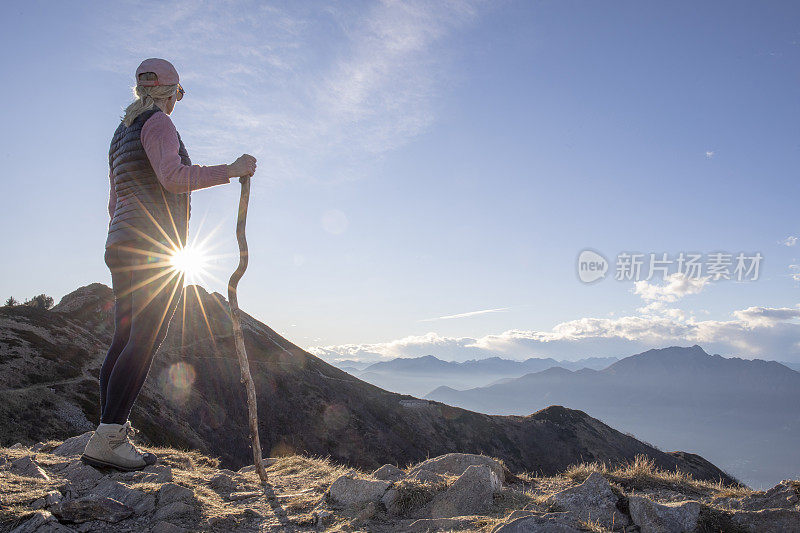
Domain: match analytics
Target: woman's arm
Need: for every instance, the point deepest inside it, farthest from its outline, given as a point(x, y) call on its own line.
point(160, 140)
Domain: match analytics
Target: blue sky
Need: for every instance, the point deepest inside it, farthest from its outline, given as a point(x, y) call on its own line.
point(421, 160)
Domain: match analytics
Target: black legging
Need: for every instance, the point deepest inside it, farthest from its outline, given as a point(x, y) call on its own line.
point(146, 294)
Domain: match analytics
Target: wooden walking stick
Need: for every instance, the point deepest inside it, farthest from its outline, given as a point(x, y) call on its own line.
point(238, 337)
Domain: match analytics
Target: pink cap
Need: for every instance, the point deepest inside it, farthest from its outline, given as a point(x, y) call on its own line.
point(163, 69)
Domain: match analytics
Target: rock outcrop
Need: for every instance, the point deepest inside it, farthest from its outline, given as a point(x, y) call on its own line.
point(592, 501)
point(472, 493)
point(652, 517)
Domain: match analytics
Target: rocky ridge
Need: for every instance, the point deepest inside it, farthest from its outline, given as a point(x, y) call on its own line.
point(45, 488)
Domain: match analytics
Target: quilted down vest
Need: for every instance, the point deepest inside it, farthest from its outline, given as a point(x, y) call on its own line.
point(144, 206)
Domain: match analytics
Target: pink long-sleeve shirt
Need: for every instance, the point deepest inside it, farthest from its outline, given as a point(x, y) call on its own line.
point(160, 140)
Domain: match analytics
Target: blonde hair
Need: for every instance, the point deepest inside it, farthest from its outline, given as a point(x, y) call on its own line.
point(146, 97)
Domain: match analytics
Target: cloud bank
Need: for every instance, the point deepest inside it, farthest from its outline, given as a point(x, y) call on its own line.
point(754, 332)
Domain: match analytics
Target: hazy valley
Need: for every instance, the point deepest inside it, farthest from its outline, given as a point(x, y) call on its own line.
point(741, 414)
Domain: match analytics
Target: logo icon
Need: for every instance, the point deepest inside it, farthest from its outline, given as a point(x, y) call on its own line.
point(591, 266)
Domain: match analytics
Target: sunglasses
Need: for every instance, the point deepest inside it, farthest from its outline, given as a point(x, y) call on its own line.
point(180, 93)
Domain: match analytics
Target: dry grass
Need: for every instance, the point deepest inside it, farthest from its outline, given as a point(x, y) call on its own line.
point(18, 492)
point(299, 483)
point(413, 494)
point(541, 502)
point(727, 491)
point(592, 525)
point(642, 474)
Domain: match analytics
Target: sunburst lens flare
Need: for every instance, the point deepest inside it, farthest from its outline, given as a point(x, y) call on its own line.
point(190, 261)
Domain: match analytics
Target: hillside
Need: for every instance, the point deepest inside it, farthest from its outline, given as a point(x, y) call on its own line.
point(420, 375)
point(741, 414)
point(46, 488)
point(193, 398)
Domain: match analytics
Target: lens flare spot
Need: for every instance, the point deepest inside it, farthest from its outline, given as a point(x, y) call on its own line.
point(181, 375)
point(177, 381)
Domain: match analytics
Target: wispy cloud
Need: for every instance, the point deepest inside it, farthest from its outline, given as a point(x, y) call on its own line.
point(791, 240)
point(465, 315)
point(314, 91)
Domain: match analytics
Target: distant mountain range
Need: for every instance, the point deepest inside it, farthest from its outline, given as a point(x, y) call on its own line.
point(351, 364)
point(193, 398)
point(420, 375)
point(742, 414)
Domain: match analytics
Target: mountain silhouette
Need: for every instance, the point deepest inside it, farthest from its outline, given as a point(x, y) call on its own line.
point(741, 414)
point(193, 398)
point(420, 375)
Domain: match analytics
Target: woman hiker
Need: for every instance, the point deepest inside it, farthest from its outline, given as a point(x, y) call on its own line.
point(151, 177)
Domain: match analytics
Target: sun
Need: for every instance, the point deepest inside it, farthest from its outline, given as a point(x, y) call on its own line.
point(189, 260)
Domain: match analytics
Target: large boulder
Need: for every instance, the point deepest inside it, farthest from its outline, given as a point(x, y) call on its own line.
point(456, 463)
point(472, 493)
point(350, 491)
point(652, 517)
point(592, 501)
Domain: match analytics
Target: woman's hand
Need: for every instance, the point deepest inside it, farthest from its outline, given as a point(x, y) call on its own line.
point(245, 165)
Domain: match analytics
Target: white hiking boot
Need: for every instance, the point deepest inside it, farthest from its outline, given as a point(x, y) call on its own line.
point(110, 446)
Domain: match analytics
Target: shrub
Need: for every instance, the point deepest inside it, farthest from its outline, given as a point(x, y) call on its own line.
point(41, 301)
